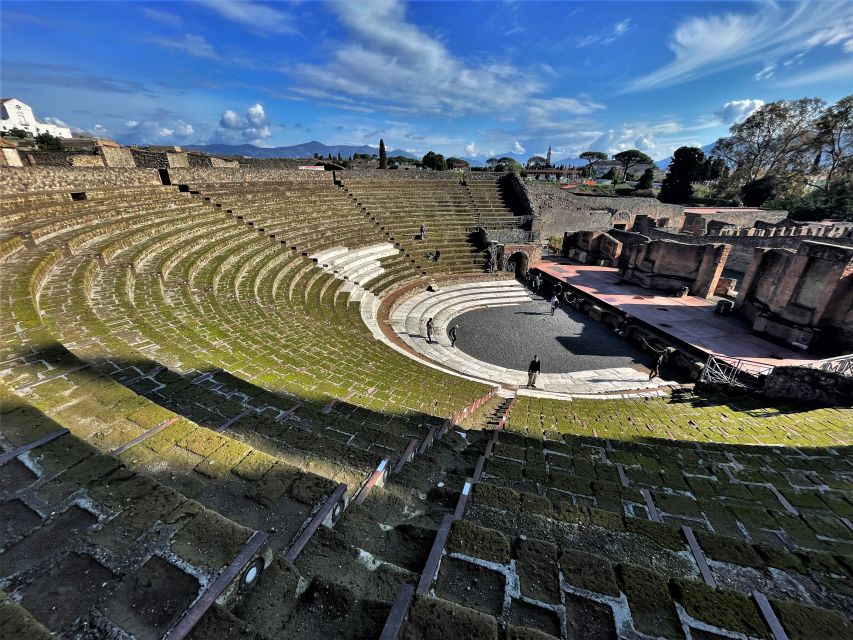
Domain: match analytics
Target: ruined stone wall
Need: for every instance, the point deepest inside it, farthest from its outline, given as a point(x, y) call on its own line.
point(86, 160)
point(30, 179)
point(696, 220)
point(669, 266)
point(559, 211)
point(804, 383)
point(199, 160)
point(199, 175)
point(10, 158)
point(743, 246)
point(177, 160)
point(54, 158)
point(117, 157)
point(801, 297)
point(150, 159)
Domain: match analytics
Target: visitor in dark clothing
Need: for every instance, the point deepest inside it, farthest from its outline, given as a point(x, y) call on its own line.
point(533, 371)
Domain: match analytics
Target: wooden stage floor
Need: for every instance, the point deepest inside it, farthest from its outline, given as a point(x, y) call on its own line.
point(690, 319)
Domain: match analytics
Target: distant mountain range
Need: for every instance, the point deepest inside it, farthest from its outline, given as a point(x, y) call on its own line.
point(304, 150)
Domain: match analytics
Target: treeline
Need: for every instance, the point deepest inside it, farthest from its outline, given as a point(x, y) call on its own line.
point(791, 154)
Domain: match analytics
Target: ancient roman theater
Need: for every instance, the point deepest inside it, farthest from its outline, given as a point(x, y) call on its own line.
point(232, 408)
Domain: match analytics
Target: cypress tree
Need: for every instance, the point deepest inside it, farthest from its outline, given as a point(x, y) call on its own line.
point(383, 158)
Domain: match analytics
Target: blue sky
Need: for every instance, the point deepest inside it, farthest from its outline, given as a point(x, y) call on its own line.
point(461, 78)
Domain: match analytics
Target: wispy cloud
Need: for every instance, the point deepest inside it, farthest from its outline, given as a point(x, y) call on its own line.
point(388, 62)
point(609, 36)
point(194, 45)
point(259, 18)
point(164, 17)
point(31, 73)
point(705, 45)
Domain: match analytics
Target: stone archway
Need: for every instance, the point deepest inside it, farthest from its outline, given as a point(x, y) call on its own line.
point(520, 255)
point(518, 262)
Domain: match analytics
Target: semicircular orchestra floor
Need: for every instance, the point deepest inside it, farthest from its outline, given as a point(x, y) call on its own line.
point(501, 326)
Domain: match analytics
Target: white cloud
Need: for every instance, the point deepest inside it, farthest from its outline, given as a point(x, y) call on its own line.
point(472, 150)
point(259, 18)
point(738, 110)
point(164, 17)
point(610, 36)
point(705, 45)
point(253, 126)
point(55, 121)
point(517, 148)
point(159, 127)
point(192, 44)
point(387, 62)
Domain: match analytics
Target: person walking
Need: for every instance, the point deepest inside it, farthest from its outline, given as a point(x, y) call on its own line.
point(558, 289)
point(660, 357)
point(537, 282)
point(453, 334)
point(430, 326)
point(533, 371)
point(422, 233)
point(555, 302)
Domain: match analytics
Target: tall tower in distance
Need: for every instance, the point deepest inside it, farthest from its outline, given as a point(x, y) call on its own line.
point(548, 157)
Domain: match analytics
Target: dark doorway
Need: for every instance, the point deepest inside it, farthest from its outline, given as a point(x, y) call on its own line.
point(164, 177)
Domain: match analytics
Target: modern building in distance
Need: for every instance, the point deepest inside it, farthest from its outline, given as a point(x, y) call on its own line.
point(14, 114)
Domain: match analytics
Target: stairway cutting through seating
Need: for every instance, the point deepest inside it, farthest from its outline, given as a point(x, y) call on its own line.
point(206, 432)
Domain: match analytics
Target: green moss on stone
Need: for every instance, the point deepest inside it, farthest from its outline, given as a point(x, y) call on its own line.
point(663, 534)
point(729, 610)
point(731, 550)
point(807, 623)
point(479, 542)
point(254, 466)
point(588, 571)
point(650, 602)
point(536, 563)
point(535, 504)
point(497, 497)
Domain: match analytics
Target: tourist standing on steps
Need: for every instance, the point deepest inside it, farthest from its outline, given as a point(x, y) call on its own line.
point(422, 233)
point(533, 371)
point(429, 330)
point(555, 302)
point(452, 334)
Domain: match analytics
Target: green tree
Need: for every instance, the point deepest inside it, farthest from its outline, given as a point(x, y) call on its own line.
point(647, 179)
point(434, 161)
point(491, 163)
point(454, 160)
point(631, 158)
point(778, 138)
point(15, 132)
point(507, 164)
point(536, 162)
point(591, 158)
point(47, 142)
point(611, 175)
point(383, 157)
point(686, 165)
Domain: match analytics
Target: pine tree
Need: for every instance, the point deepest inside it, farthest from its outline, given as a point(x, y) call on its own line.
point(383, 158)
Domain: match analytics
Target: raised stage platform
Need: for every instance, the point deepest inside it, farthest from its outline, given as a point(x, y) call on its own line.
point(690, 319)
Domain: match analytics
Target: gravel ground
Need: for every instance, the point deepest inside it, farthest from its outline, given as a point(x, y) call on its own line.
point(570, 341)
